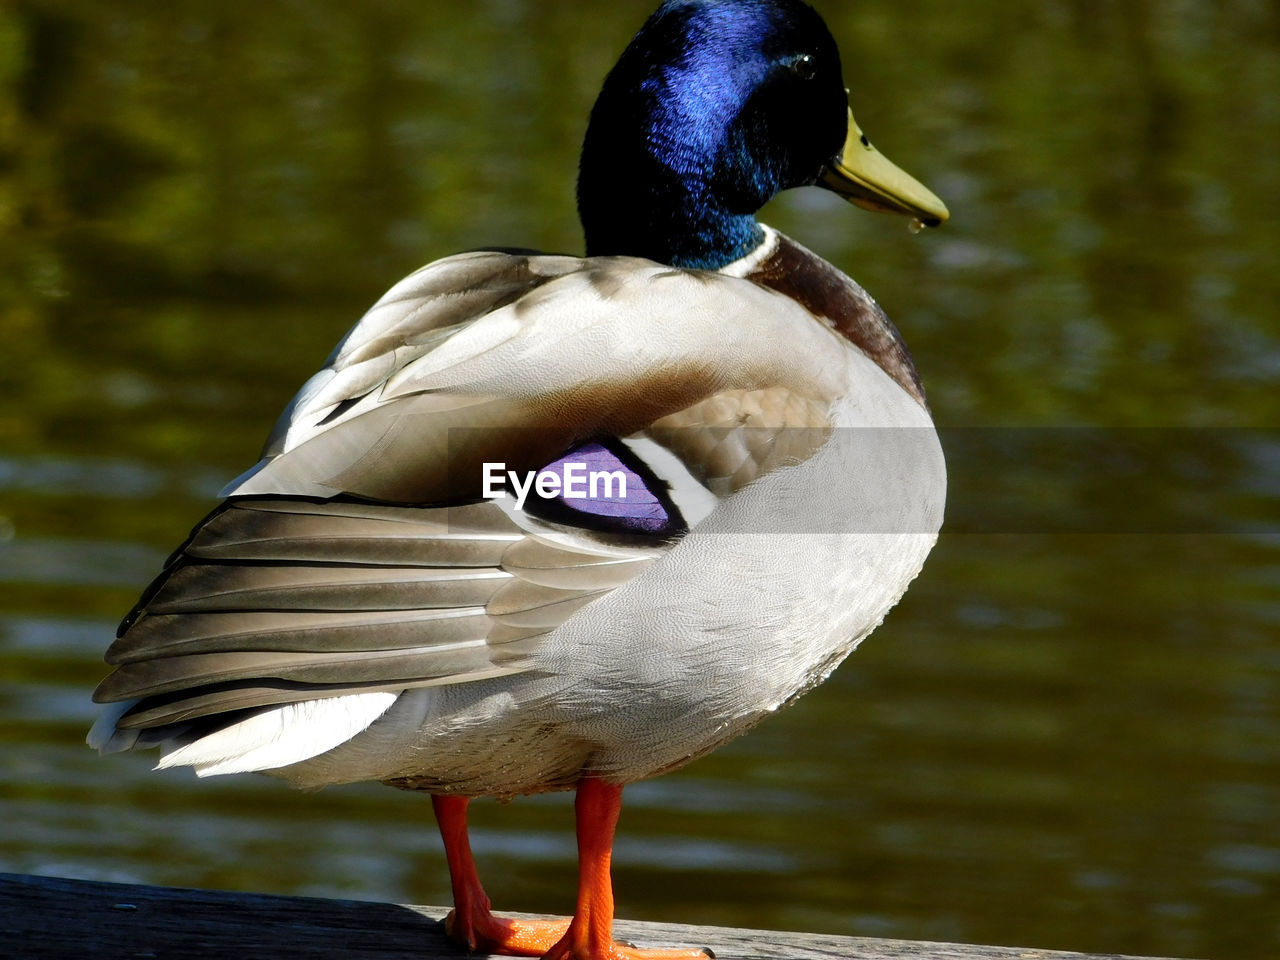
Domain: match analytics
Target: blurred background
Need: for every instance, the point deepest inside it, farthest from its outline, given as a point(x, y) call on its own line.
point(1068, 733)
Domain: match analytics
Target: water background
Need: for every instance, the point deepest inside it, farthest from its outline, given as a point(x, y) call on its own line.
point(1067, 735)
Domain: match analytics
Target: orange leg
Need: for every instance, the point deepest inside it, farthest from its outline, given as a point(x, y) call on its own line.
point(469, 922)
point(590, 933)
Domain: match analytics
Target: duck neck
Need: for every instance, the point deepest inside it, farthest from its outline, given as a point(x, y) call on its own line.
point(668, 172)
point(654, 212)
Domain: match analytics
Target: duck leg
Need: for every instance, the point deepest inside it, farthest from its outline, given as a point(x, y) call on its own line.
point(470, 922)
point(590, 933)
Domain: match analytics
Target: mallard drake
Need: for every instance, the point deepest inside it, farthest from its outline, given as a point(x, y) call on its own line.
point(547, 522)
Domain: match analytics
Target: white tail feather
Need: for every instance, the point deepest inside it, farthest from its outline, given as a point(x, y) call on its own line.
point(280, 736)
point(103, 735)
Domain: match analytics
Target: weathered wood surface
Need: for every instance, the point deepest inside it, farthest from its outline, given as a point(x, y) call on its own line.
point(49, 918)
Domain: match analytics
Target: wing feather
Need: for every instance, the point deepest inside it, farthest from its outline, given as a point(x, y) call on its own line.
point(230, 700)
point(451, 663)
point(279, 601)
point(171, 635)
point(536, 562)
point(261, 535)
point(209, 587)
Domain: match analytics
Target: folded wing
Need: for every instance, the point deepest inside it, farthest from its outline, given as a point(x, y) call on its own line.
point(359, 557)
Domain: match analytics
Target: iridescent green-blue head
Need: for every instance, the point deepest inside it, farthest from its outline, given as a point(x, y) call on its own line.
point(715, 107)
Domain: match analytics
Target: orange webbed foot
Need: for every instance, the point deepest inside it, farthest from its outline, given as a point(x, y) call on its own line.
point(572, 948)
point(481, 932)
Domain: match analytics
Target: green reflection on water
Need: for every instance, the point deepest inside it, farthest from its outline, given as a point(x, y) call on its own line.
point(1058, 739)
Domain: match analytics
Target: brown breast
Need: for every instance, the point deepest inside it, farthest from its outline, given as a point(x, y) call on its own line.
point(828, 294)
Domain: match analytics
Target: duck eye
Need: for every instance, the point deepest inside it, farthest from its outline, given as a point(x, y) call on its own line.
point(804, 67)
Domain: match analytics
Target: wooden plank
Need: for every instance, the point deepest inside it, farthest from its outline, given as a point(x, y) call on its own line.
point(50, 918)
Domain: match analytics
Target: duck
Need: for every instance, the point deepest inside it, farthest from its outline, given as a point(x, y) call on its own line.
point(546, 522)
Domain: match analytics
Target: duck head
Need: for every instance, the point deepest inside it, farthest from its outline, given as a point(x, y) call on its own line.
point(715, 107)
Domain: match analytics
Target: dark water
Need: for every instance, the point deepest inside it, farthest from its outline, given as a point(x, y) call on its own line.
point(1067, 735)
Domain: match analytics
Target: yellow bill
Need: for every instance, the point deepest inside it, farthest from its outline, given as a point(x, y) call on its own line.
point(864, 176)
